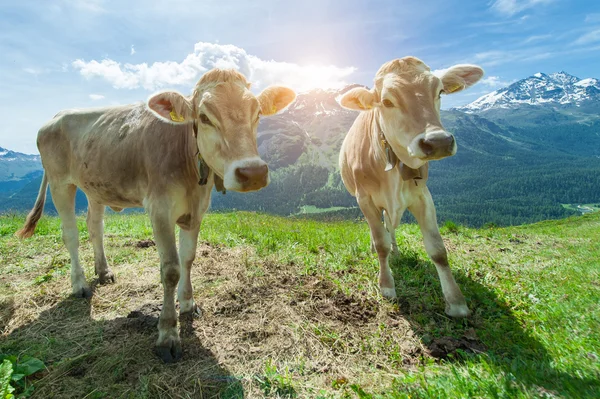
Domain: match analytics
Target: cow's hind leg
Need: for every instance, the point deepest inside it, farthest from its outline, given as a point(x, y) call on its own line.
point(63, 196)
point(95, 225)
point(380, 238)
point(424, 211)
point(168, 346)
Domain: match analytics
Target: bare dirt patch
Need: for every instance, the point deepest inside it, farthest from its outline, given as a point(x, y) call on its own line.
point(143, 243)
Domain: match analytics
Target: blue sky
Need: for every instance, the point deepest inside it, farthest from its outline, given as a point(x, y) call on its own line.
point(85, 53)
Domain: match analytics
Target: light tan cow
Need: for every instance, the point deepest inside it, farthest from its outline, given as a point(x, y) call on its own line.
point(148, 155)
point(383, 160)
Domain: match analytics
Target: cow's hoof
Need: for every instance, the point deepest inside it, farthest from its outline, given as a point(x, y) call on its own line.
point(169, 351)
point(457, 311)
point(195, 312)
point(83, 292)
point(106, 277)
point(388, 293)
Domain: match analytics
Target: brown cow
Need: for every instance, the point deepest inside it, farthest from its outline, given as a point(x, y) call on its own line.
point(383, 160)
point(154, 156)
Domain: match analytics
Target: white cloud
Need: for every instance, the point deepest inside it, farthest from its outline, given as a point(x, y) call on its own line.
point(512, 7)
point(536, 38)
point(207, 56)
point(132, 50)
point(494, 82)
point(591, 18)
point(96, 97)
point(590, 37)
point(33, 71)
point(95, 6)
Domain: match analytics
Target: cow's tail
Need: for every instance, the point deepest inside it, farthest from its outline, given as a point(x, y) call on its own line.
point(36, 213)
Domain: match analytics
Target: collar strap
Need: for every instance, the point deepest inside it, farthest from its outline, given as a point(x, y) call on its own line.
point(204, 170)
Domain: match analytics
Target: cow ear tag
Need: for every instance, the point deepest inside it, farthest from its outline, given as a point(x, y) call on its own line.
point(175, 117)
point(453, 89)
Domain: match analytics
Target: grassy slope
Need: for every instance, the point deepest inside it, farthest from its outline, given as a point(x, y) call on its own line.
point(291, 309)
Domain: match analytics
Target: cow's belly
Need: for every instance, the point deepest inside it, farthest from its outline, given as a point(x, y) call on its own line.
point(107, 193)
point(109, 180)
point(395, 197)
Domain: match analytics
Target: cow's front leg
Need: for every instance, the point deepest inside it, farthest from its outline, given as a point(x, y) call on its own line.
point(424, 211)
point(380, 239)
point(63, 196)
point(389, 226)
point(188, 240)
point(168, 346)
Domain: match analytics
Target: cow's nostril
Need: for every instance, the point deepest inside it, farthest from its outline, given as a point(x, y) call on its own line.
point(252, 173)
point(240, 175)
point(450, 141)
point(425, 147)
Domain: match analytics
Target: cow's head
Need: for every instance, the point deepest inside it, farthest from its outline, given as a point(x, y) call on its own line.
point(406, 104)
point(226, 114)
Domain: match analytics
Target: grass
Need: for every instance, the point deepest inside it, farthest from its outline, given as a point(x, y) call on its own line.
point(314, 209)
point(291, 310)
point(578, 207)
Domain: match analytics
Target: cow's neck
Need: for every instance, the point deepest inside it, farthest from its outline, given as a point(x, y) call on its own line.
point(391, 158)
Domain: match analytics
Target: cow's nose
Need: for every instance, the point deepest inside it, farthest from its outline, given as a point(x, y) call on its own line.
point(252, 176)
point(436, 143)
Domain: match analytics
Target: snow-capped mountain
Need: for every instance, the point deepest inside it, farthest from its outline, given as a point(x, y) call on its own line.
point(539, 90)
point(15, 165)
point(12, 156)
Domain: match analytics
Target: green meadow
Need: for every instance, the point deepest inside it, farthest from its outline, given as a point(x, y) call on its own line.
point(291, 309)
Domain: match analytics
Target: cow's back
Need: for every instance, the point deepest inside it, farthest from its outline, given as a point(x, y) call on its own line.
point(117, 155)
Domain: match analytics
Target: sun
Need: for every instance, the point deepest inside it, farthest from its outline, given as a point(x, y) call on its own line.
point(309, 77)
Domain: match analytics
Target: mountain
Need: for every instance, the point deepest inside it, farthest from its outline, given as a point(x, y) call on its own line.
point(556, 89)
point(15, 165)
point(514, 164)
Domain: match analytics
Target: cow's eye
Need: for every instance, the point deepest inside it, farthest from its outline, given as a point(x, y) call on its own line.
point(388, 103)
point(441, 92)
point(204, 119)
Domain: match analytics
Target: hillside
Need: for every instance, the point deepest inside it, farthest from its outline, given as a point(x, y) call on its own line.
point(291, 310)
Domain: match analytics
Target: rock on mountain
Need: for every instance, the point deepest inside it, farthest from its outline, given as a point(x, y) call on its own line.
point(556, 89)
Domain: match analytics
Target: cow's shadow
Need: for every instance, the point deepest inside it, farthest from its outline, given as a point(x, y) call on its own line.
point(492, 335)
point(107, 358)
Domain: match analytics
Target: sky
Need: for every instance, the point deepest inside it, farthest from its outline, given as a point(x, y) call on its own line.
point(87, 53)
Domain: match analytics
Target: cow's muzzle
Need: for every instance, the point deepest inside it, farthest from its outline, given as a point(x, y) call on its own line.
point(246, 174)
point(433, 145)
point(252, 178)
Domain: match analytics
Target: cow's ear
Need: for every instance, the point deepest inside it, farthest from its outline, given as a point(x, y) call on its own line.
point(171, 107)
point(358, 99)
point(274, 99)
point(459, 77)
